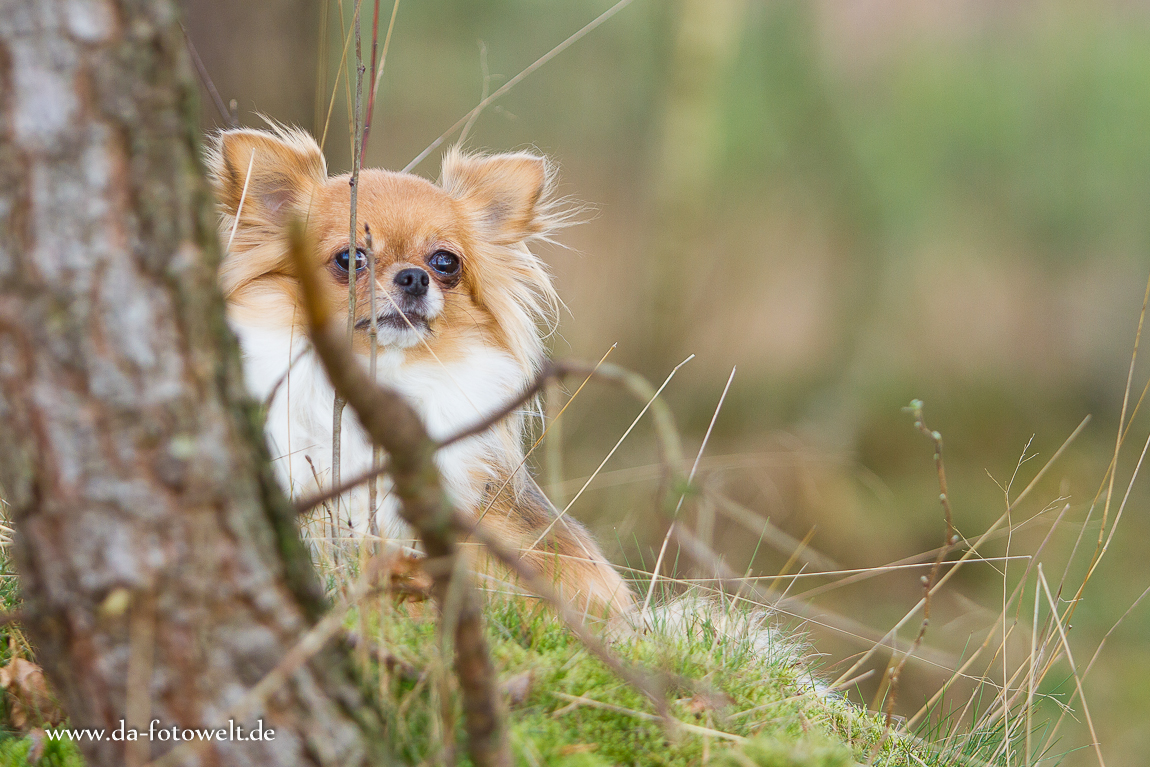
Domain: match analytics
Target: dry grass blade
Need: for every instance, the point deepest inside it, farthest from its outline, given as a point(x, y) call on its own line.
point(1108, 480)
point(683, 495)
point(546, 429)
point(1073, 668)
point(1093, 658)
point(653, 688)
point(793, 607)
point(206, 79)
point(991, 534)
point(579, 700)
point(1031, 681)
point(756, 460)
point(243, 198)
point(483, 96)
point(1122, 421)
point(377, 72)
point(1117, 623)
point(783, 541)
point(675, 465)
point(598, 20)
point(910, 723)
point(974, 547)
point(823, 574)
point(922, 559)
point(795, 556)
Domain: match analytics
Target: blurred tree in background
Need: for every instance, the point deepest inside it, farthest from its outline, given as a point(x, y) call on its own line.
point(857, 202)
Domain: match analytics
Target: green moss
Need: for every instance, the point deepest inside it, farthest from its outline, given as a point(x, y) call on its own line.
point(60, 753)
point(742, 694)
point(14, 746)
point(753, 703)
point(805, 752)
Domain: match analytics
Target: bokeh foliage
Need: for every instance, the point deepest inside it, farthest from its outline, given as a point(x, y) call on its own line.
point(887, 201)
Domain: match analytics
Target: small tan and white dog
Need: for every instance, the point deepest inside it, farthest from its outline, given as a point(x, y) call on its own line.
point(460, 302)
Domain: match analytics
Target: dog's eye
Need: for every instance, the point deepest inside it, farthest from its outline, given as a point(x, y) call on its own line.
point(343, 260)
point(444, 262)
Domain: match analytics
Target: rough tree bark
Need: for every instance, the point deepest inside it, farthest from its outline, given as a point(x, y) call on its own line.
point(161, 569)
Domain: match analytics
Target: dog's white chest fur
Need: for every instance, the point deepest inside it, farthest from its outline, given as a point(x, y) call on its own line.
point(449, 397)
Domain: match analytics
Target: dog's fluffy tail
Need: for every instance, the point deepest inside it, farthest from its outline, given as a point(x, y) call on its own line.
point(739, 626)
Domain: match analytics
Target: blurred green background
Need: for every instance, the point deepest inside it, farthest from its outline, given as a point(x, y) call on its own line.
point(856, 202)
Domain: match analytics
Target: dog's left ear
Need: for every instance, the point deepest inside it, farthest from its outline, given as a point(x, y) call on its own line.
point(506, 192)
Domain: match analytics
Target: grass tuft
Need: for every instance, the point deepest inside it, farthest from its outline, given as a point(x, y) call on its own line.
point(741, 691)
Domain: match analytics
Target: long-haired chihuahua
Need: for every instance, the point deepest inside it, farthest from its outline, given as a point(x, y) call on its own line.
point(460, 305)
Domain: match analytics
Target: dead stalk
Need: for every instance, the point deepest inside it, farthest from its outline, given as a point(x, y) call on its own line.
point(928, 581)
point(376, 72)
point(394, 426)
point(228, 118)
point(683, 495)
point(537, 584)
point(373, 343)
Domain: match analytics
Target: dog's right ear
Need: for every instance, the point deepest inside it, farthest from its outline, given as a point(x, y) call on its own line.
point(280, 171)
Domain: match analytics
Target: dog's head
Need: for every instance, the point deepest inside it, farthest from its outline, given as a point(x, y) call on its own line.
point(451, 259)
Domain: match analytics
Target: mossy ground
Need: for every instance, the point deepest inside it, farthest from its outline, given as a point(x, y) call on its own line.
point(745, 696)
point(14, 745)
point(744, 700)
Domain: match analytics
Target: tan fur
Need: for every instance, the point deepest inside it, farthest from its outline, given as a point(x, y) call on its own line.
point(568, 556)
point(486, 210)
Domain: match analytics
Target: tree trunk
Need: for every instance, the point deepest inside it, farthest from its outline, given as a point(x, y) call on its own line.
point(161, 568)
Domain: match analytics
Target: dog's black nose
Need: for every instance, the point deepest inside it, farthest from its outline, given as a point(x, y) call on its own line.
point(412, 281)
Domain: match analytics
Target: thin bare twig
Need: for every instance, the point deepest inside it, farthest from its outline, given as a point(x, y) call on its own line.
point(653, 688)
point(635, 384)
point(928, 581)
point(352, 253)
point(376, 72)
point(551, 369)
point(1073, 668)
point(373, 351)
point(909, 723)
point(307, 504)
point(973, 548)
point(394, 425)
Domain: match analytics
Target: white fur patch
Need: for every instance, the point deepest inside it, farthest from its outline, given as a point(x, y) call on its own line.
point(449, 398)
